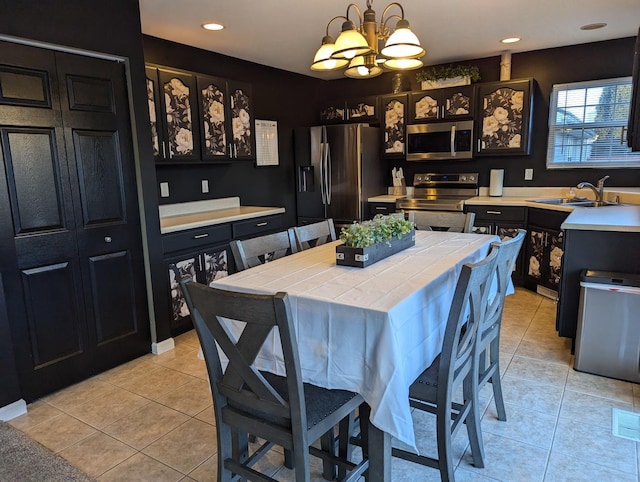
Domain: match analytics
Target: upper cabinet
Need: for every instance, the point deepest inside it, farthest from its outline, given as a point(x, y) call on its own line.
point(333, 112)
point(504, 117)
point(243, 140)
point(364, 109)
point(442, 104)
point(393, 112)
point(199, 118)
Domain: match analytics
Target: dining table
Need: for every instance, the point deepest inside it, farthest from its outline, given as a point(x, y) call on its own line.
point(369, 330)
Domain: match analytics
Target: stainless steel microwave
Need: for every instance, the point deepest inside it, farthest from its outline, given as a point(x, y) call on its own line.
point(442, 140)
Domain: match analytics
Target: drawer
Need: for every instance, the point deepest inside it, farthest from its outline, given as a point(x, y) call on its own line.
point(256, 226)
point(381, 208)
point(195, 238)
point(502, 213)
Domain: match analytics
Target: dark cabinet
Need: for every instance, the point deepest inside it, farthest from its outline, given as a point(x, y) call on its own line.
point(503, 221)
point(544, 249)
point(393, 111)
point(333, 112)
point(503, 117)
point(442, 104)
point(173, 114)
point(243, 137)
point(364, 109)
point(381, 208)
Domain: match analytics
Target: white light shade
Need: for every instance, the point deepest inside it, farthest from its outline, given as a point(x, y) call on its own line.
point(323, 61)
point(350, 43)
point(358, 70)
point(402, 43)
point(212, 26)
point(403, 64)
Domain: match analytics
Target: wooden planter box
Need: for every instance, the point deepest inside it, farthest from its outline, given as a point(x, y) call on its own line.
point(363, 257)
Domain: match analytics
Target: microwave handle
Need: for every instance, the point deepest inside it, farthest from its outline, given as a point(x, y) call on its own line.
point(453, 140)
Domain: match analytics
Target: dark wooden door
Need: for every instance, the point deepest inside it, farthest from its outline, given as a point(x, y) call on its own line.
point(71, 242)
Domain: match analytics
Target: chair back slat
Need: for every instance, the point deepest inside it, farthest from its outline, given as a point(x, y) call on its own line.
point(442, 221)
point(262, 249)
point(508, 250)
point(314, 234)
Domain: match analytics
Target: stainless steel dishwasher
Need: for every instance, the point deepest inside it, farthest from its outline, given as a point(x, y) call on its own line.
point(608, 336)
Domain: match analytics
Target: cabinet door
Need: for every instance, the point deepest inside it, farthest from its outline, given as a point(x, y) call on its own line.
point(393, 109)
point(508, 231)
point(178, 102)
point(180, 267)
point(458, 102)
point(215, 118)
point(333, 112)
point(535, 249)
point(555, 248)
point(362, 110)
point(482, 227)
point(425, 106)
point(243, 140)
point(215, 264)
point(504, 117)
point(155, 117)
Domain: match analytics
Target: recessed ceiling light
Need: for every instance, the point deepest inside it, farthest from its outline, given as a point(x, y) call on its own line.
point(510, 40)
point(593, 26)
point(212, 26)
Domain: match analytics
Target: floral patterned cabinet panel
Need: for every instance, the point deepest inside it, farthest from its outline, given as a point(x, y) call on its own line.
point(215, 118)
point(333, 112)
point(243, 139)
point(155, 115)
point(178, 100)
point(393, 112)
point(504, 117)
point(363, 110)
point(442, 104)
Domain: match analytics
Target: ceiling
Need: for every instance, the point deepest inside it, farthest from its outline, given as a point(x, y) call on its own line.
point(286, 33)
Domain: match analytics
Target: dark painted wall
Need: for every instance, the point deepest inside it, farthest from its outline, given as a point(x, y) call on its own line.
point(111, 27)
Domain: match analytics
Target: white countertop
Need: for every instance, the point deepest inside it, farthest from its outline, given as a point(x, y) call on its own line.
point(181, 216)
point(607, 218)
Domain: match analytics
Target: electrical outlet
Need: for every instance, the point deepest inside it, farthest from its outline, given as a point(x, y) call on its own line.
point(164, 189)
point(528, 174)
point(205, 186)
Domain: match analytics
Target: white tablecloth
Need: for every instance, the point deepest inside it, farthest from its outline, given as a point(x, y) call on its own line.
point(369, 330)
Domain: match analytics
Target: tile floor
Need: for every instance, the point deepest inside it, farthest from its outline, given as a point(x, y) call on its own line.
point(151, 419)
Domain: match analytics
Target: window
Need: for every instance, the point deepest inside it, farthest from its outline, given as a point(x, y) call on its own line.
point(588, 125)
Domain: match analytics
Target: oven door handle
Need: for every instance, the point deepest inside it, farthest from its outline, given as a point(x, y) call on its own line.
point(453, 140)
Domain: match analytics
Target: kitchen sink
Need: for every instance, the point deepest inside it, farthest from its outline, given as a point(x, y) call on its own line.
point(563, 201)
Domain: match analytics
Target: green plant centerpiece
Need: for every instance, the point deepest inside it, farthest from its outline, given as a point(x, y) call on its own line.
point(370, 241)
point(447, 76)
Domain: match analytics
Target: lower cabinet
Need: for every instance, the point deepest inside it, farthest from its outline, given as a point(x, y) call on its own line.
point(204, 255)
point(544, 248)
point(381, 208)
point(503, 221)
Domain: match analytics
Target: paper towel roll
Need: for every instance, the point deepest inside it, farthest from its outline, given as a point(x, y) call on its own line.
point(495, 182)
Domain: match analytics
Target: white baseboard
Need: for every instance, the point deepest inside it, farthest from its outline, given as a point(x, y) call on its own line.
point(13, 410)
point(163, 347)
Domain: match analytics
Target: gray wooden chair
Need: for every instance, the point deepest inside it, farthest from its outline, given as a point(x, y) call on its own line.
point(457, 364)
point(489, 351)
point(443, 221)
point(279, 409)
point(315, 234)
point(255, 251)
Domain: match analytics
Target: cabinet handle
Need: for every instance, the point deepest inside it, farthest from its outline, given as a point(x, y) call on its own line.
point(164, 153)
point(261, 224)
point(200, 236)
point(107, 239)
point(494, 212)
point(478, 145)
point(379, 208)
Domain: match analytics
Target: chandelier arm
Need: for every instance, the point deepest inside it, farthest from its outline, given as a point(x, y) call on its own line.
point(334, 18)
point(384, 28)
point(386, 9)
point(357, 10)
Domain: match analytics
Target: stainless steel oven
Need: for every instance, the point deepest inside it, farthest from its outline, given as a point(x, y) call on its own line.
point(442, 140)
point(440, 192)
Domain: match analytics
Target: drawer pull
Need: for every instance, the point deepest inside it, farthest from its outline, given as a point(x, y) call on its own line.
point(107, 239)
point(200, 236)
point(494, 212)
point(261, 224)
point(381, 208)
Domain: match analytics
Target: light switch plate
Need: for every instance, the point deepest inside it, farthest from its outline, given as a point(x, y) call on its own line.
point(528, 174)
point(205, 186)
point(164, 189)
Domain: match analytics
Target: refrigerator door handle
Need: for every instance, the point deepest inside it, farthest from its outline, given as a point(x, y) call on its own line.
point(321, 166)
point(328, 173)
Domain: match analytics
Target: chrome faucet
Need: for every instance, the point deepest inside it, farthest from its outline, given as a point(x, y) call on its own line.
point(599, 191)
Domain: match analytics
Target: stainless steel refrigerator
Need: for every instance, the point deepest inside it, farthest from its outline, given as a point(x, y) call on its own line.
point(337, 168)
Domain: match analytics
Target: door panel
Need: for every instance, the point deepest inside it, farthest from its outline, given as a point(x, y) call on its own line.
point(26, 87)
point(90, 94)
point(53, 315)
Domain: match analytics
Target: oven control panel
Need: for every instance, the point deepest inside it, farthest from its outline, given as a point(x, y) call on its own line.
point(435, 179)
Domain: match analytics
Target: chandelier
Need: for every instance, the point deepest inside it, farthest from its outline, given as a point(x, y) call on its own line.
point(369, 47)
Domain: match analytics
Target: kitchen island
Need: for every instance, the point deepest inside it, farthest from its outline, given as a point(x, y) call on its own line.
point(604, 238)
